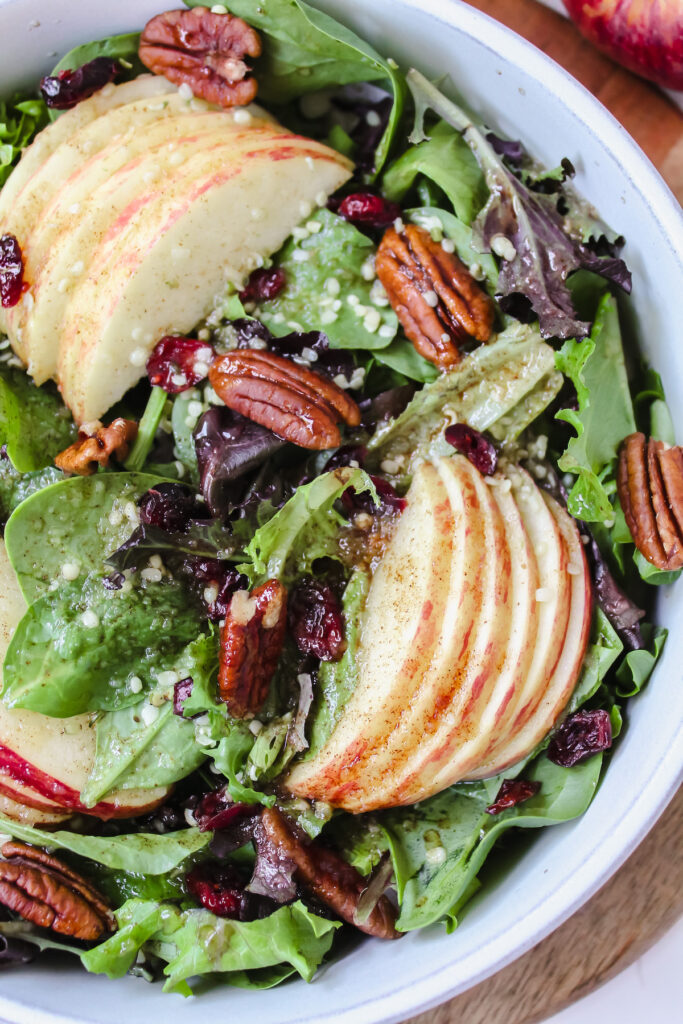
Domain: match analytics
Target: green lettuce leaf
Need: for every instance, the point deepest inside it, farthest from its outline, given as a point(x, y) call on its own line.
point(305, 50)
point(605, 414)
point(636, 668)
point(61, 666)
point(195, 943)
point(304, 529)
point(337, 251)
point(603, 650)
point(35, 425)
point(500, 387)
point(402, 357)
point(446, 159)
point(142, 852)
point(439, 846)
point(80, 520)
point(123, 48)
point(20, 119)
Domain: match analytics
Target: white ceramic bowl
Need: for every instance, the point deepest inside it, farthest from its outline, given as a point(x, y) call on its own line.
point(524, 94)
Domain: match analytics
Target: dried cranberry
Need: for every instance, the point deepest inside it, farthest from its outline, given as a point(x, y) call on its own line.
point(512, 792)
point(344, 456)
point(219, 889)
point(369, 210)
point(581, 735)
point(316, 620)
point(181, 692)
point(216, 810)
point(263, 285)
point(170, 507)
point(177, 364)
point(473, 445)
point(68, 88)
point(390, 501)
point(216, 581)
point(11, 271)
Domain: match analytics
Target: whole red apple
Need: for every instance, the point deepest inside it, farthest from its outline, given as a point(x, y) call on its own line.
point(643, 35)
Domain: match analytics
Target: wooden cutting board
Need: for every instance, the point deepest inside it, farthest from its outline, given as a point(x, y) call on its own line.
point(645, 897)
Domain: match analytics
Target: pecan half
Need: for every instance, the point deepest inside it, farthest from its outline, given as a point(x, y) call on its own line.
point(205, 51)
point(294, 402)
point(326, 875)
point(96, 445)
point(433, 294)
point(43, 890)
point(650, 486)
point(251, 645)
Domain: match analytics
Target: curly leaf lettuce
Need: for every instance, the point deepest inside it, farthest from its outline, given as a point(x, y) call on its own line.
point(522, 226)
point(195, 942)
point(605, 413)
point(304, 529)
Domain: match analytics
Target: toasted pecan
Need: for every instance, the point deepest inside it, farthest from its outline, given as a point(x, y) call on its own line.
point(204, 50)
point(438, 302)
point(332, 880)
point(294, 402)
point(97, 448)
point(650, 486)
point(251, 644)
point(43, 890)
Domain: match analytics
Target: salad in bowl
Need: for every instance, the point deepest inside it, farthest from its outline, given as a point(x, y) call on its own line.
point(333, 502)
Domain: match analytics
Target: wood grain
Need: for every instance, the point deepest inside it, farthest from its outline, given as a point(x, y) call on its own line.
point(645, 897)
point(647, 114)
point(623, 919)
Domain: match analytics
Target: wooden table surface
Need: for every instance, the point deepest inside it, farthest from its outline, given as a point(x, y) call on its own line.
point(645, 897)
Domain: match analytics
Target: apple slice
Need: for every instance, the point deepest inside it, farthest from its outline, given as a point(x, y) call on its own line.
point(554, 696)
point(552, 613)
point(47, 761)
point(512, 618)
point(27, 815)
point(72, 225)
point(163, 265)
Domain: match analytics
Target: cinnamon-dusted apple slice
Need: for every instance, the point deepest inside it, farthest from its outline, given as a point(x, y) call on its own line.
point(199, 232)
point(469, 708)
point(26, 815)
point(552, 698)
point(552, 611)
point(122, 178)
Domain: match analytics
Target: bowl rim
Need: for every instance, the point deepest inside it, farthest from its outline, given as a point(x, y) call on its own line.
point(600, 860)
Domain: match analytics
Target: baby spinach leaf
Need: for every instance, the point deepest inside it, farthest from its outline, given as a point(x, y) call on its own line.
point(501, 387)
point(16, 487)
point(305, 50)
point(446, 159)
point(195, 942)
point(20, 119)
point(132, 754)
point(402, 356)
point(637, 666)
point(337, 252)
point(603, 650)
point(147, 853)
point(80, 520)
point(439, 846)
point(605, 414)
point(35, 425)
point(304, 529)
point(77, 647)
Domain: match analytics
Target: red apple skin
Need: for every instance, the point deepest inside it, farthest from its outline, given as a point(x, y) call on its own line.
point(64, 796)
point(645, 36)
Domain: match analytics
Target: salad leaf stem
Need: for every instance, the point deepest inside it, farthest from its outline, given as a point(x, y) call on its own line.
point(147, 429)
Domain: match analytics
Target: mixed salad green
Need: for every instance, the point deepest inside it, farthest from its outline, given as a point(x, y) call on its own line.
point(231, 506)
